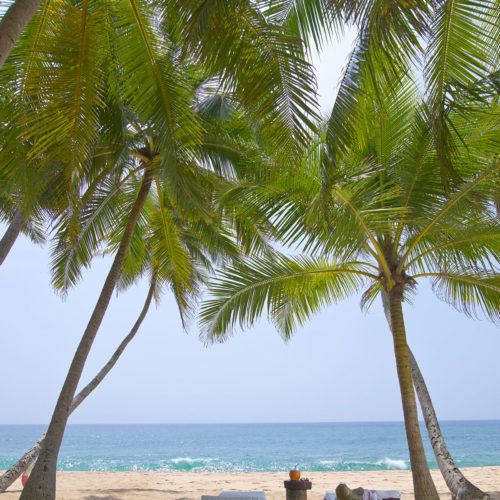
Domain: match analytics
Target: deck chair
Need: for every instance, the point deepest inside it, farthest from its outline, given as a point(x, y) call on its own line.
point(237, 495)
point(384, 494)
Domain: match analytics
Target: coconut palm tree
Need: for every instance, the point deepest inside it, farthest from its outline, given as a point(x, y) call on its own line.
point(173, 250)
point(76, 68)
point(182, 195)
point(382, 221)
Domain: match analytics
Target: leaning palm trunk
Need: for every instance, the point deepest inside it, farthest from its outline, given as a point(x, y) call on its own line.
point(424, 488)
point(42, 482)
point(13, 23)
point(460, 487)
point(10, 236)
point(32, 454)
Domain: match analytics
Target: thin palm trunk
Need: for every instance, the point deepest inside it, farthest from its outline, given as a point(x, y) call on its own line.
point(42, 482)
point(13, 23)
point(31, 455)
point(10, 236)
point(424, 488)
point(460, 487)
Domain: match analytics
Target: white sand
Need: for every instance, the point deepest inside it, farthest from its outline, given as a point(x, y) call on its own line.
point(190, 485)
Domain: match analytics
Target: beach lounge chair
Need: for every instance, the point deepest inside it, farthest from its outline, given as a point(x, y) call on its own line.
point(384, 494)
point(237, 495)
point(260, 495)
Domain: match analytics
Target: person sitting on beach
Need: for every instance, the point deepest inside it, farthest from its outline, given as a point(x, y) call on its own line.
point(343, 492)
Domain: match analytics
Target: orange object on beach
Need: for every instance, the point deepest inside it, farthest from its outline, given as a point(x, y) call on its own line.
point(26, 475)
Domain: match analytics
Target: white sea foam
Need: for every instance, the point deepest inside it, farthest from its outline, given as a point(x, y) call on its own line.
point(189, 460)
point(391, 463)
point(329, 462)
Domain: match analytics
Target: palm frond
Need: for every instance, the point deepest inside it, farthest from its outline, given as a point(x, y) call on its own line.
point(469, 291)
point(450, 207)
point(96, 219)
point(476, 244)
point(289, 290)
point(261, 62)
point(64, 86)
point(312, 20)
point(151, 81)
point(458, 54)
point(169, 256)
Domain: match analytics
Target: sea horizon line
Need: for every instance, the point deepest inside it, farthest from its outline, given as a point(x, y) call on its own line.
point(250, 423)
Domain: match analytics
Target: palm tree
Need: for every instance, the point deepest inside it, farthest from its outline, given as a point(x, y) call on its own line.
point(194, 184)
point(382, 220)
point(75, 70)
point(174, 250)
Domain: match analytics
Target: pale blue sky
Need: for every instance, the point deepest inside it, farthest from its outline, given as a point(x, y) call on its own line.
point(339, 367)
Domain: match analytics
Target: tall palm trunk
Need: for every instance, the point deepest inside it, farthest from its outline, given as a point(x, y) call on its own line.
point(31, 455)
point(13, 23)
point(42, 482)
point(460, 487)
point(424, 488)
point(10, 236)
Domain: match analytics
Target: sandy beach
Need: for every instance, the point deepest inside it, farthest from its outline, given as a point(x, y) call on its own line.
point(190, 486)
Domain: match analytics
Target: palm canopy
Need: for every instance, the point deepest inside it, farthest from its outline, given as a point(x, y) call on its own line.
point(388, 223)
point(175, 236)
point(381, 221)
point(77, 59)
point(81, 66)
point(451, 45)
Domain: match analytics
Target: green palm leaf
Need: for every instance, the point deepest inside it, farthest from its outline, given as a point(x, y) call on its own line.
point(312, 20)
point(469, 291)
point(150, 79)
point(475, 245)
point(290, 290)
point(457, 56)
point(262, 62)
point(96, 219)
point(64, 86)
point(168, 253)
point(449, 213)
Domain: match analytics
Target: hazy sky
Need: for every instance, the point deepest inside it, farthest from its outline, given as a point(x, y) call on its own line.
point(339, 367)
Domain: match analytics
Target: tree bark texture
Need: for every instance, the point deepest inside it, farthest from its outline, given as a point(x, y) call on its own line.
point(9, 476)
point(13, 23)
point(41, 484)
point(10, 236)
point(460, 487)
point(424, 488)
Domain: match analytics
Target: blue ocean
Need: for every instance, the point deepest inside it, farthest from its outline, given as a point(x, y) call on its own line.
point(251, 447)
